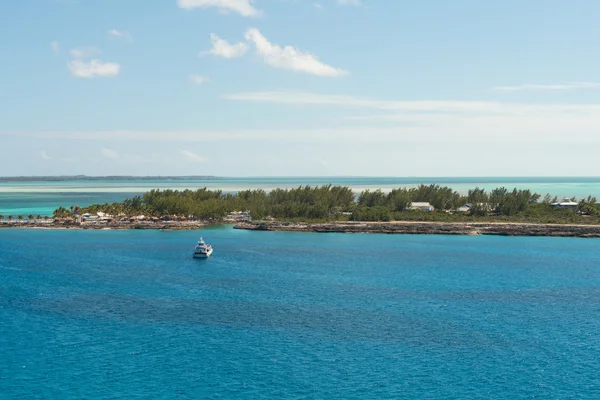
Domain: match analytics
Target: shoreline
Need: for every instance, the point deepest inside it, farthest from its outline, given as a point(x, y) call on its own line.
point(431, 228)
point(393, 227)
point(172, 225)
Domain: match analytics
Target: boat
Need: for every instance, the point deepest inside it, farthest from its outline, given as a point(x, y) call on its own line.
point(202, 249)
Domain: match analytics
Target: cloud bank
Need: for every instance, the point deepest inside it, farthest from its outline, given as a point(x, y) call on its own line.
point(242, 7)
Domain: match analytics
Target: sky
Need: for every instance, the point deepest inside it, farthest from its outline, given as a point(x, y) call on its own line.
point(300, 88)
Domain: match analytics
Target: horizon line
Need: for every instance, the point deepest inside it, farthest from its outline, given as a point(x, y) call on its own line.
point(80, 176)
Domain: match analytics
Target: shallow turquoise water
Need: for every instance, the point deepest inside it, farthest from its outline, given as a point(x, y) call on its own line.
point(129, 314)
point(24, 198)
point(44, 203)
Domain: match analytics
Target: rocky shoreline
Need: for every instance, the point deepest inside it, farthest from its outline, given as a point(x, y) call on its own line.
point(396, 227)
point(431, 228)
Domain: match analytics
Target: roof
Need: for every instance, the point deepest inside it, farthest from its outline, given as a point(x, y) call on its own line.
point(565, 203)
point(420, 204)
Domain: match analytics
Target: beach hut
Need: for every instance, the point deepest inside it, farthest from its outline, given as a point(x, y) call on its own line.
point(421, 205)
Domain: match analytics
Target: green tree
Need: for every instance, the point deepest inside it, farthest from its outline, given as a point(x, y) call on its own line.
point(61, 212)
point(372, 199)
point(479, 201)
point(547, 199)
point(514, 202)
point(399, 199)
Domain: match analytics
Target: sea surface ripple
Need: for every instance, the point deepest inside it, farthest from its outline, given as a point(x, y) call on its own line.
point(275, 315)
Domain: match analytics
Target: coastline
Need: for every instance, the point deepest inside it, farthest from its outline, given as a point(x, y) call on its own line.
point(431, 228)
point(171, 225)
point(393, 227)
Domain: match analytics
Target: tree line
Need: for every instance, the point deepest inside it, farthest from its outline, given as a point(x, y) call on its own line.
point(330, 202)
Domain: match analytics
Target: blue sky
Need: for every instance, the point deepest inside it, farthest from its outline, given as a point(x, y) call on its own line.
point(304, 88)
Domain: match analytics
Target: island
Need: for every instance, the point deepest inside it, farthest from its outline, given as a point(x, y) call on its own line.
point(425, 209)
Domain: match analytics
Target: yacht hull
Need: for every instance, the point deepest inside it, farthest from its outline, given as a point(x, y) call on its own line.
point(198, 254)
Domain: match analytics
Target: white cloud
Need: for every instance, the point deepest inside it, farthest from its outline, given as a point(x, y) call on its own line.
point(562, 86)
point(318, 6)
point(84, 52)
point(399, 123)
point(290, 58)
point(242, 7)
point(55, 47)
point(198, 79)
point(306, 98)
point(192, 157)
point(109, 153)
point(44, 155)
point(125, 35)
point(534, 124)
point(93, 68)
point(221, 48)
point(531, 140)
point(457, 121)
point(349, 2)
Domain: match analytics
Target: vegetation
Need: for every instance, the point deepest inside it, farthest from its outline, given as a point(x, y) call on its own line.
point(303, 202)
point(334, 203)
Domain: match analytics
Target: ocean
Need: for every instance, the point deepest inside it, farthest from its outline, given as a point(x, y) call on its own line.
point(25, 198)
point(279, 315)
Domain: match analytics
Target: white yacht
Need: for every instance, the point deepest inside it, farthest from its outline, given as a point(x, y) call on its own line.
point(202, 249)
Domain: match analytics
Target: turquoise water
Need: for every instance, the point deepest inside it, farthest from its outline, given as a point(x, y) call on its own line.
point(44, 203)
point(24, 198)
point(129, 314)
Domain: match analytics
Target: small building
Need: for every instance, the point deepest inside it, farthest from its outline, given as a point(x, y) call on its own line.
point(566, 203)
point(465, 208)
point(421, 205)
point(238, 216)
point(487, 207)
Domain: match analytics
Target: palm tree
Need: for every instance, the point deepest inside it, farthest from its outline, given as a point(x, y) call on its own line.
point(61, 212)
point(20, 218)
point(38, 217)
point(10, 218)
point(30, 217)
point(1, 217)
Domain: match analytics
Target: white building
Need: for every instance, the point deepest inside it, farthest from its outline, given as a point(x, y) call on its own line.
point(465, 208)
point(566, 203)
point(421, 205)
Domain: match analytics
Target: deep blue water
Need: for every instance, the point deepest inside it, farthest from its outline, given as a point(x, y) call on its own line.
point(129, 314)
point(43, 197)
